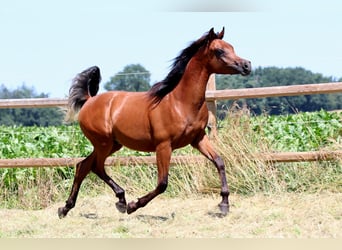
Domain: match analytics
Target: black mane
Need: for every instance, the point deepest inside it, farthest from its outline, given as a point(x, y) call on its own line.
point(161, 89)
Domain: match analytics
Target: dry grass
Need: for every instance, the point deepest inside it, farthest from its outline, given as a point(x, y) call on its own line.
point(275, 216)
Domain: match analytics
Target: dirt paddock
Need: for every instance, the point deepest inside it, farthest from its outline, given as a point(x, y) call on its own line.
point(258, 216)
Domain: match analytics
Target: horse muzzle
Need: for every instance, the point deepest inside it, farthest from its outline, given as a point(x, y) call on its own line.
point(244, 67)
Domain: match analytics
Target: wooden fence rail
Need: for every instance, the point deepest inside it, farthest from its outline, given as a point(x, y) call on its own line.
point(293, 90)
point(211, 96)
point(139, 160)
point(33, 103)
point(227, 94)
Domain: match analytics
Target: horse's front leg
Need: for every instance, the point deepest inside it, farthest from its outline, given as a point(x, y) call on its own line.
point(204, 146)
point(163, 154)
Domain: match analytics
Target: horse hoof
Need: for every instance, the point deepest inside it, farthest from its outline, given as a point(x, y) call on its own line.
point(131, 207)
point(224, 208)
point(61, 213)
point(122, 207)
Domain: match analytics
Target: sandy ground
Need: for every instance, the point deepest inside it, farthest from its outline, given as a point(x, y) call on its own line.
point(259, 216)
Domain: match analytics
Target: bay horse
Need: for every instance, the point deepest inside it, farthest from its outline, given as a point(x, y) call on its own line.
point(171, 115)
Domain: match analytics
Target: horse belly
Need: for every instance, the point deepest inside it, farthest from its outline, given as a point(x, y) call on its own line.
point(134, 140)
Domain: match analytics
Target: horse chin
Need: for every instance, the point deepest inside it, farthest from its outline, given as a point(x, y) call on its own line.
point(245, 73)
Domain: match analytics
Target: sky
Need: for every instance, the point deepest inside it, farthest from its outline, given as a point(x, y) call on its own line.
point(44, 44)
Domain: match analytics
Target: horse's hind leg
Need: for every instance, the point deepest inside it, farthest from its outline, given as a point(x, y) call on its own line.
point(82, 170)
point(100, 171)
point(121, 205)
point(163, 162)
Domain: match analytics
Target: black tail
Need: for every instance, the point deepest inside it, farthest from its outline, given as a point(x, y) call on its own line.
point(84, 86)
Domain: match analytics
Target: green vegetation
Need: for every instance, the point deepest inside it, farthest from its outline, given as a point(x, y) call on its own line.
point(34, 142)
point(241, 138)
point(299, 132)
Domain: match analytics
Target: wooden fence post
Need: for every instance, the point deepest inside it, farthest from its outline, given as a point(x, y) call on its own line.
point(211, 104)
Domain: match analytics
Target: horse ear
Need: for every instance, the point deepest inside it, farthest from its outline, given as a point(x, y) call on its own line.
point(221, 34)
point(211, 34)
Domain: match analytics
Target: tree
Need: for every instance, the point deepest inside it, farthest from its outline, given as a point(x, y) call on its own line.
point(27, 116)
point(133, 77)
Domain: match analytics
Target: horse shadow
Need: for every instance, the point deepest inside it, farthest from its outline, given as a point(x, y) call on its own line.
point(150, 218)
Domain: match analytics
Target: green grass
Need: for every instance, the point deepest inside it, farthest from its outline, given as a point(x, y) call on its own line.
point(241, 138)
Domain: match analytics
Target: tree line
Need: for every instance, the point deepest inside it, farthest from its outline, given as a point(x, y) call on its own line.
point(135, 77)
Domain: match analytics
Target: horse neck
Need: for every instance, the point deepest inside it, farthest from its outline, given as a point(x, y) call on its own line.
point(191, 88)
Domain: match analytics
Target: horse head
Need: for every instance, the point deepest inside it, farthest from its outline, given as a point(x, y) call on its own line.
point(222, 57)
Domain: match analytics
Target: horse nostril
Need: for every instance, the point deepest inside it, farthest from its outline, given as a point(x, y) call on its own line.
point(247, 65)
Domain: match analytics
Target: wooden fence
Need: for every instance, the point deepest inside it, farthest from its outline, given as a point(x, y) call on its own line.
point(139, 160)
point(211, 96)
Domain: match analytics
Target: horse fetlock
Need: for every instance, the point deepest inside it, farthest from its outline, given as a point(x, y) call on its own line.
point(120, 195)
point(162, 186)
point(224, 193)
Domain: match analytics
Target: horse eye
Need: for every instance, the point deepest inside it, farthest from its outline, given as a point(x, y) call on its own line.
point(219, 52)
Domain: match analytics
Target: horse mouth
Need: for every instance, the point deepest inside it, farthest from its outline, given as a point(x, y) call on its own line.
point(245, 72)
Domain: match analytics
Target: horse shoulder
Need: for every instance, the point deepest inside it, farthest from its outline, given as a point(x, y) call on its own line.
point(171, 120)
